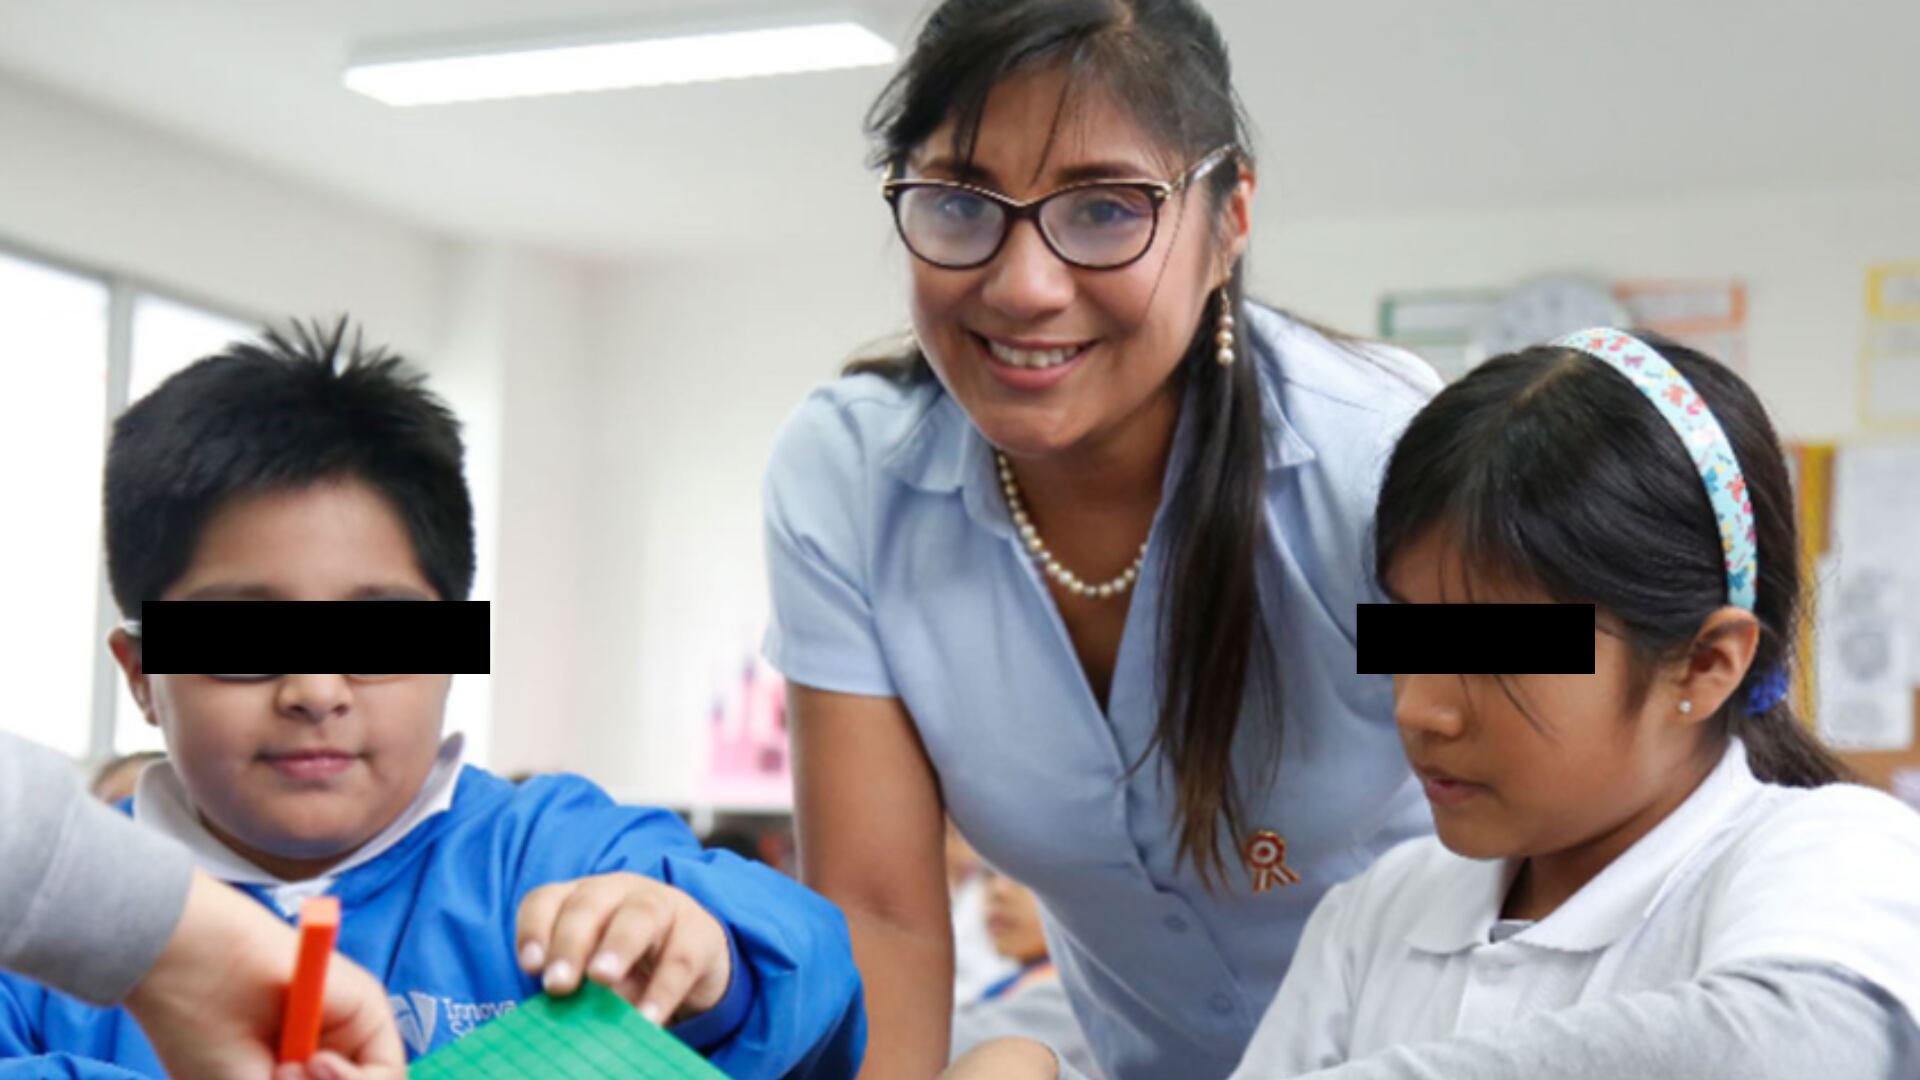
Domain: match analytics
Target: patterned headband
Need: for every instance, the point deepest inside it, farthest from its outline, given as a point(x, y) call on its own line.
point(1683, 408)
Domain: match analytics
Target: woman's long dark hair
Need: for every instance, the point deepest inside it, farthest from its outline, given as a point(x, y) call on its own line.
point(1546, 466)
point(1165, 61)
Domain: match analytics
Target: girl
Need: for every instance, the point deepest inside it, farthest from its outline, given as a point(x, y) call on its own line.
point(1645, 871)
point(1087, 554)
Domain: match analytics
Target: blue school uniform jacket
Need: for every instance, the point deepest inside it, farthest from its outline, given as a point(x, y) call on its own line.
point(433, 917)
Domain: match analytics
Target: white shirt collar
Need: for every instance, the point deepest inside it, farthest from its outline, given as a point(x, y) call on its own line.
point(1618, 899)
point(161, 802)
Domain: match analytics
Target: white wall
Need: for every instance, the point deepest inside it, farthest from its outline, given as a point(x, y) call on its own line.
point(114, 195)
point(700, 364)
point(521, 334)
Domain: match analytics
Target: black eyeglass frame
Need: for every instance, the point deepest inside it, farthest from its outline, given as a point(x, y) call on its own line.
point(1158, 192)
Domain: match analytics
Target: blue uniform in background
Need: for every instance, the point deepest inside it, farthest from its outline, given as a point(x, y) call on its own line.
point(433, 918)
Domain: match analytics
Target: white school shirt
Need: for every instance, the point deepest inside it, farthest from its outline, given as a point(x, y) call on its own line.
point(1407, 952)
point(896, 572)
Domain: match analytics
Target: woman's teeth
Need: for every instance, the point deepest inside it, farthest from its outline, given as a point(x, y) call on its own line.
point(1031, 358)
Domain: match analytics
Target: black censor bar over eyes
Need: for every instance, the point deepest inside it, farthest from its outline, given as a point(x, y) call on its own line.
point(1475, 639)
point(182, 636)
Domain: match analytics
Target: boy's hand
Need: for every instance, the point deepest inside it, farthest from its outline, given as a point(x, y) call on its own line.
point(649, 942)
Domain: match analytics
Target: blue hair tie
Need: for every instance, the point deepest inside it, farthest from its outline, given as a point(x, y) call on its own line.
point(1769, 691)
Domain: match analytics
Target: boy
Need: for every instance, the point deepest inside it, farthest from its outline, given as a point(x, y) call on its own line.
point(307, 469)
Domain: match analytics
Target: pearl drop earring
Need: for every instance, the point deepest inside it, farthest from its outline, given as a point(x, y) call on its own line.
point(1224, 336)
point(1686, 708)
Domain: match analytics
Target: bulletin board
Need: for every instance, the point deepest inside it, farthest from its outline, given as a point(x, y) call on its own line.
point(1437, 325)
point(1708, 315)
point(749, 763)
point(1890, 349)
point(1814, 467)
point(1440, 325)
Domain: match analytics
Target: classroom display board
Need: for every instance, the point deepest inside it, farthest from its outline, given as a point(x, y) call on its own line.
point(1708, 316)
point(1890, 349)
point(749, 760)
point(1438, 326)
point(1445, 326)
point(1859, 516)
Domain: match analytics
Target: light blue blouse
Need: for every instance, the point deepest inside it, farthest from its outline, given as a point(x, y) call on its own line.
point(896, 572)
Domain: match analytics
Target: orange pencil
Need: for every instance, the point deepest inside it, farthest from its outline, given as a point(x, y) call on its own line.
point(300, 1030)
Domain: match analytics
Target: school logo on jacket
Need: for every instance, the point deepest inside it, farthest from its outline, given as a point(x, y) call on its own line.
point(415, 1014)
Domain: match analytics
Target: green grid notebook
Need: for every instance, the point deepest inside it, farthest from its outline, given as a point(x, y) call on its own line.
point(590, 1035)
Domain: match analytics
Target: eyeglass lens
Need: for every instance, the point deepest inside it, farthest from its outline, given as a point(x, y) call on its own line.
point(1096, 226)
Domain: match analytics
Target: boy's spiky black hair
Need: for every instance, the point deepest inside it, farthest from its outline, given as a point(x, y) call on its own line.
point(306, 404)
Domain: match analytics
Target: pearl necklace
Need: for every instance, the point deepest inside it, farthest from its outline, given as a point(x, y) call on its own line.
point(1038, 549)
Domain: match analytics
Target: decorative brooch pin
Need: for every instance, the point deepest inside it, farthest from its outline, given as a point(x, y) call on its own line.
point(1266, 855)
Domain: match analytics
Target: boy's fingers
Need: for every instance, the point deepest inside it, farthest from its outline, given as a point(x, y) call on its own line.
point(682, 959)
point(578, 928)
point(631, 934)
point(534, 925)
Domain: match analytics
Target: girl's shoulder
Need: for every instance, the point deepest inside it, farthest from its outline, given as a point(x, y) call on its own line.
point(1828, 874)
point(1838, 822)
point(1820, 863)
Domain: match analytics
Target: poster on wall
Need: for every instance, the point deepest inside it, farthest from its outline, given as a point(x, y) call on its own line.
point(1448, 327)
point(1437, 325)
point(1875, 518)
point(748, 755)
point(1865, 699)
point(1709, 316)
point(1890, 351)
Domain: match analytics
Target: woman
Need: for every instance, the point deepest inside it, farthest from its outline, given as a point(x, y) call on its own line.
point(1080, 569)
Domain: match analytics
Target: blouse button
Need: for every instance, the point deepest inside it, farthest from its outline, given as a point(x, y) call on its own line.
point(1176, 924)
point(1221, 1004)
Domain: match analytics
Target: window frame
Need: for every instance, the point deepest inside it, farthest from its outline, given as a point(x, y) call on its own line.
point(124, 291)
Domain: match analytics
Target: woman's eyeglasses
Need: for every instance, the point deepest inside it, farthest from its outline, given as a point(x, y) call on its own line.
point(1097, 225)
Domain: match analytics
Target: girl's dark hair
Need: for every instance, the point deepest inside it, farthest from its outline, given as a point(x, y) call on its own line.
point(1166, 63)
point(1548, 467)
point(307, 404)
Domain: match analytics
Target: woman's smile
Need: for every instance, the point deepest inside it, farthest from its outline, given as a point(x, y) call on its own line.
point(1030, 366)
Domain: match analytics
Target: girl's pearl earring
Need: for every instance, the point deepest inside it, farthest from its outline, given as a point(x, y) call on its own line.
point(1223, 337)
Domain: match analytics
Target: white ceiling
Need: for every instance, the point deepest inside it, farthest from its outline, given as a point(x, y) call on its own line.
point(1363, 106)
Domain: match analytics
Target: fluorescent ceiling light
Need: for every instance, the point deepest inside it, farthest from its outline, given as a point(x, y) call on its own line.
point(529, 72)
